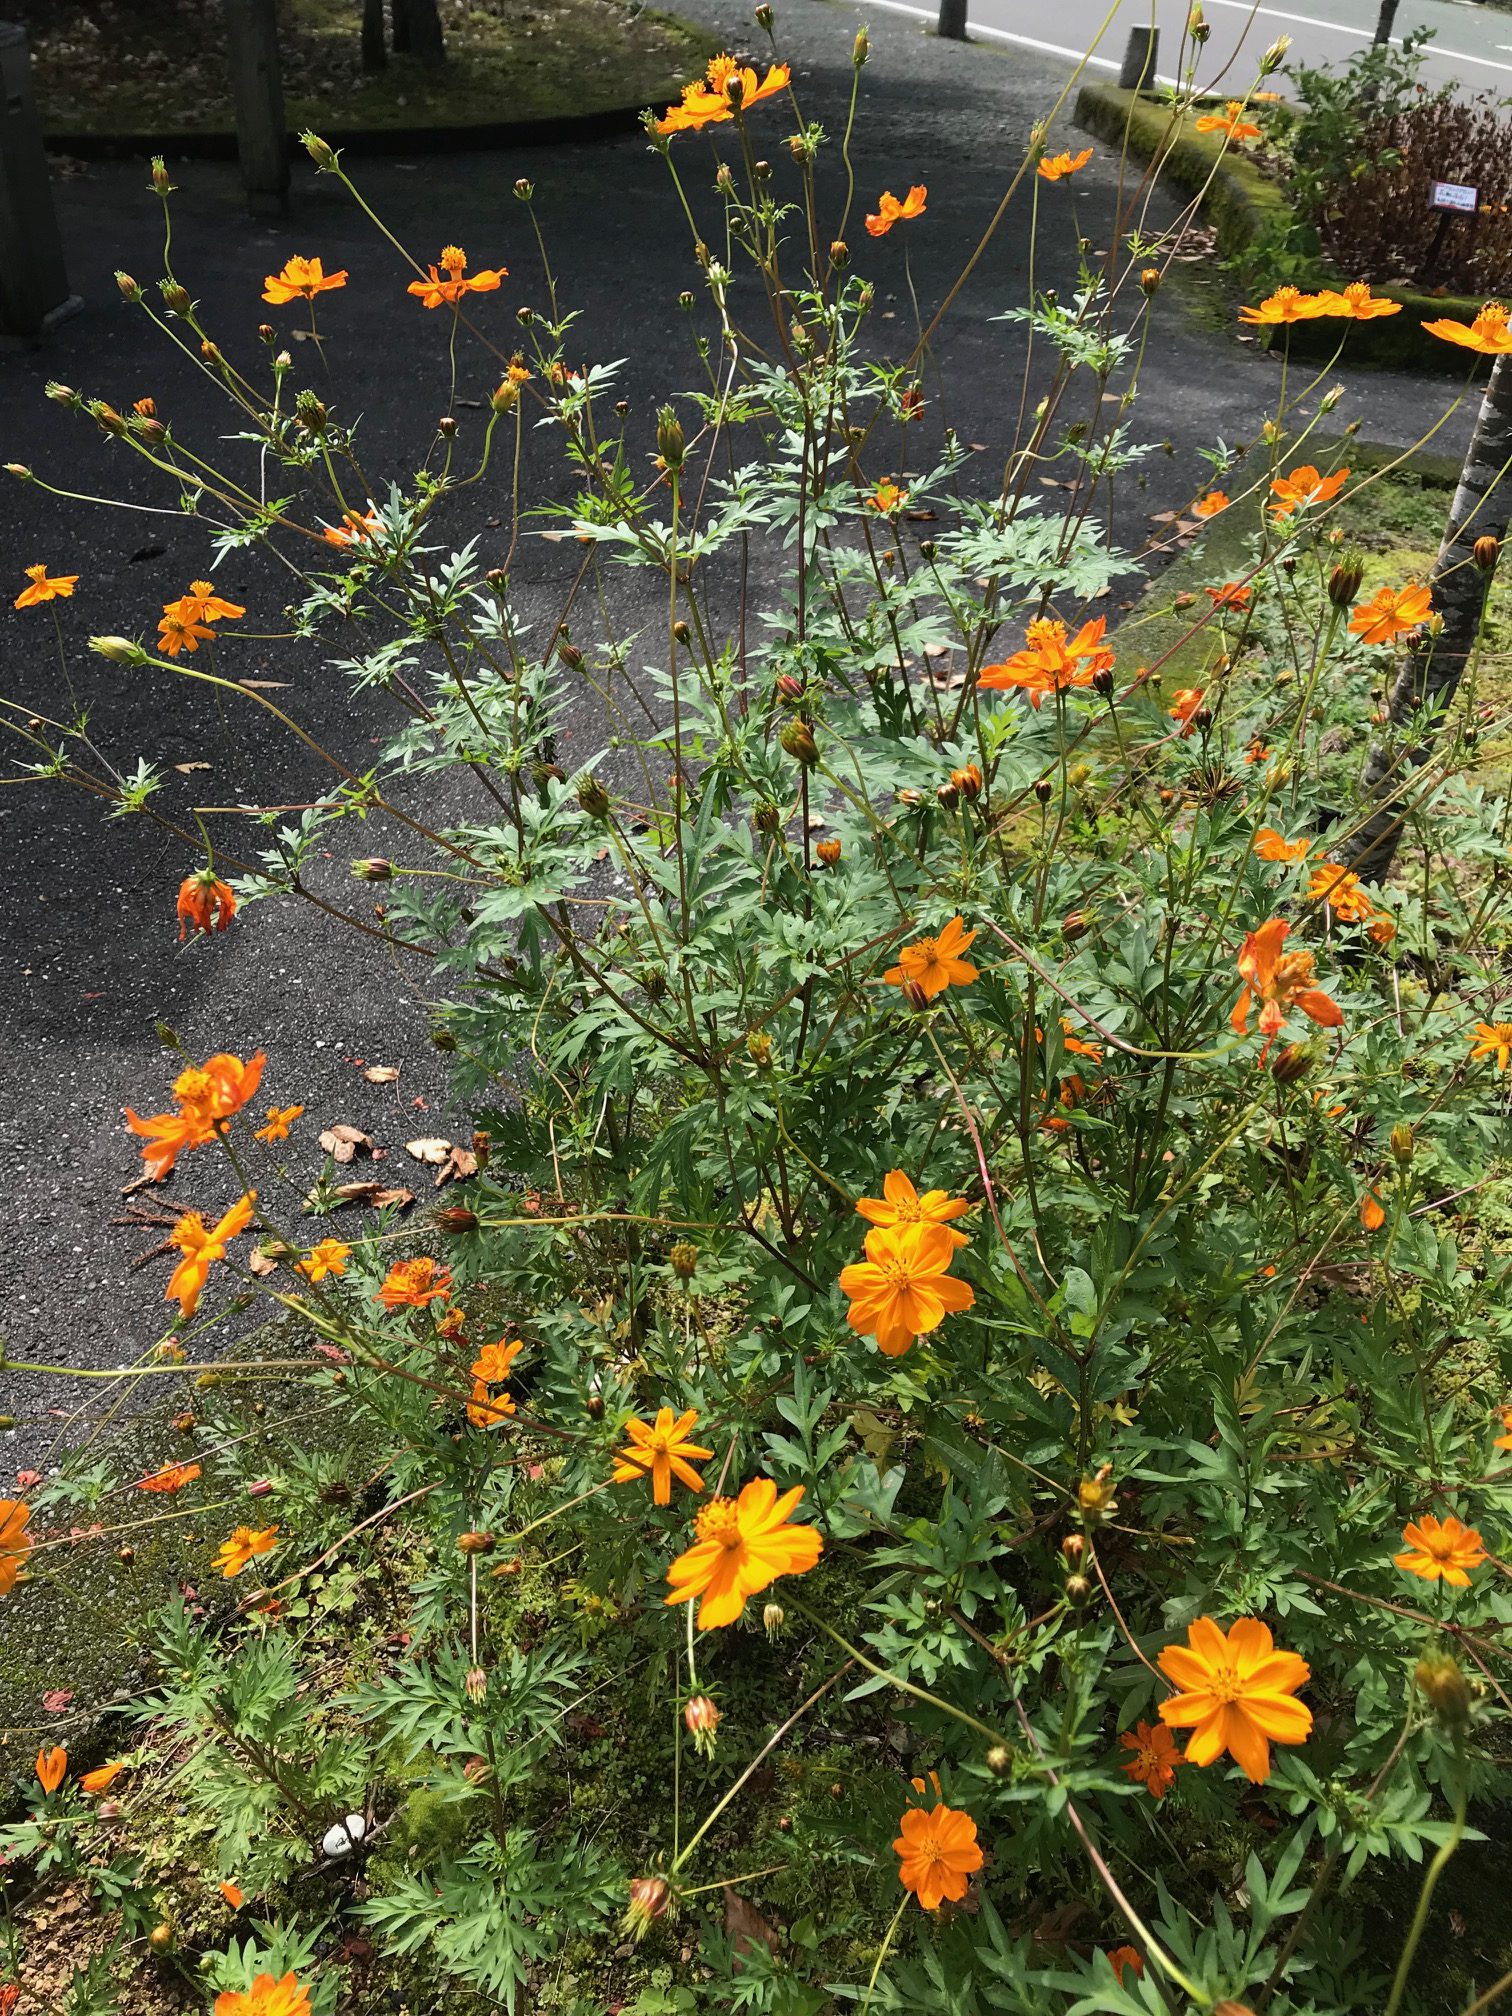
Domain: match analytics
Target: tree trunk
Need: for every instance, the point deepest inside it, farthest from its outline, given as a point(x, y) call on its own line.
point(374, 55)
point(1430, 676)
point(1385, 22)
point(417, 29)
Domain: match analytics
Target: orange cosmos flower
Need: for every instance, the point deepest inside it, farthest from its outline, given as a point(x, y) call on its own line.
point(51, 1765)
point(1122, 1958)
point(1287, 304)
point(1504, 1416)
point(203, 605)
point(172, 1477)
point(1232, 595)
point(1280, 981)
point(1358, 303)
point(266, 1997)
point(245, 1544)
point(1074, 1043)
point(1488, 333)
point(1272, 846)
point(886, 499)
point(1049, 663)
point(201, 1247)
point(1210, 505)
point(1372, 1212)
point(1189, 700)
point(1390, 612)
point(207, 1097)
point(903, 1288)
point(890, 211)
point(15, 1542)
point(1236, 1695)
point(233, 1894)
point(486, 1411)
point(933, 964)
point(414, 1284)
point(1257, 752)
point(180, 633)
point(1492, 1039)
point(1056, 167)
point(1305, 486)
point(329, 1257)
point(1341, 889)
point(724, 90)
point(205, 903)
point(436, 292)
point(1230, 122)
point(354, 529)
point(901, 1204)
point(494, 1362)
point(45, 587)
point(100, 1779)
point(660, 1450)
point(1155, 1757)
point(1440, 1550)
point(937, 1850)
point(1381, 931)
point(300, 280)
point(744, 1544)
point(277, 1126)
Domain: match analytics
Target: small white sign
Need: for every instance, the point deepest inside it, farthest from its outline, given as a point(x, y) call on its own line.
point(1453, 196)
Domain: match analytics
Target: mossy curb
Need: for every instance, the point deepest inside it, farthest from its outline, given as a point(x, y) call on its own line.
point(1242, 205)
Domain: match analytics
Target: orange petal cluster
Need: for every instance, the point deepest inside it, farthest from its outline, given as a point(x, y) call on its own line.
point(300, 280)
point(933, 964)
point(744, 1544)
point(1051, 660)
point(725, 89)
point(207, 1097)
point(446, 287)
point(890, 210)
point(1237, 1694)
point(660, 1450)
point(1280, 981)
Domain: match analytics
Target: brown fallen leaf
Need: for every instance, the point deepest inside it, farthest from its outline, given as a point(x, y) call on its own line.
point(261, 1264)
point(381, 1074)
point(458, 1166)
point(429, 1148)
point(745, 1924)
point(266, 685)
point(341, 1142)
point(185, 768)
point(379, 1195)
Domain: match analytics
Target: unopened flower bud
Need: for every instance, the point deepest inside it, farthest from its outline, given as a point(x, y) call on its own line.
point(764, 18)
point(1403, 1144)
point(1074, 1546)
point(119, 650)
point(767, 818)
point(128, 288)
point(160, 182)
point(669, 438)
point(1198, 28)
point(175, 297)
point(374, 869)
point(839, 254)
point(106, 418)
point(759, 1049)
point(311, 413)
point(475, 1543)
point(320, 153)
point(1275, 55)
point(773, 1617)
point(1292, 1064)
point(914, 996)
point(683, 1259)
point(1344, 581)
point(649, 1898)
point(797, 738)
point(828, 852)
point(160, 1938)
point(1486, 550)
point(593, 798)
point(1442, 1683)
point(1042, 790)
point(456, 1220)
point(860, 48)
point(681, 631)
point(524, 188)
point(446, 427)
point(702, 1718)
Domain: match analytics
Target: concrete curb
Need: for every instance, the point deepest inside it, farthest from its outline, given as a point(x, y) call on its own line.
point(1242, 205)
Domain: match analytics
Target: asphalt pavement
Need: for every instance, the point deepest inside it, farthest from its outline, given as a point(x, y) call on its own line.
point(89, 961)
point(1471, 47)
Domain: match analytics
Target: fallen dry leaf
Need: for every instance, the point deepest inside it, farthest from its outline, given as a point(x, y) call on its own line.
point(379, 1195)
point(185, 768)
point(745, 1924)
point(381, 1074)
point(260, 1264)
point(56, 1699)
point(458, 1166)
point(429, 1148)
point(341, 1142)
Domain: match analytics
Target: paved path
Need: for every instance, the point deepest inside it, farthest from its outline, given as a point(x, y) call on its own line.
point(1471, 49)
point(88, 958)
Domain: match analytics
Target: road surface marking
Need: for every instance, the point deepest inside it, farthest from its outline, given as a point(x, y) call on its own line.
point(1358, 34)
point(979, 29)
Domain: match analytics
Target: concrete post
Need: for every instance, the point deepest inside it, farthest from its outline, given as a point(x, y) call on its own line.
point(952, 23)
point(1140, 58)
point(257, 95)
point(33, 279)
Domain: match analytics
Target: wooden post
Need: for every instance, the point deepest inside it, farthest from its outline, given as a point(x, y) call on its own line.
point(952, 22)
point(374, 54)
point(1140, 57)
point(33, 279)
point(257, 94)
point(1385, 22)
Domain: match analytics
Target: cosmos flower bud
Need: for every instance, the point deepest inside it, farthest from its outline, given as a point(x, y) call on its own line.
point(999, 1760)
point(456, 1219)
point(1292, 1064)
point(153, 432)
point(570, 656)
point(128, 288)
point(702, 1718)
point(914, 996)
point(1074, 1546)
point(595, 1406)
point(266, 333)
point(524, 188)
point(1197, 27)
point(683, 1259)
point(106, 418)
point(1344, 581)
point(948, 794)
point(1442, 1684)
point(798, 740)
point(593, 798)
point(1095, 1494)
point(475, 1684)
point(1275, 55)
point(446, 427)
point(759, 1048)
point(311, 413)
point(119, 650)
point(681, 631)
point(160, 181)
point(175, 297)
point(789, 687)
point(260, 1487)
point(482, 1147)
point(475, 1543)
point(505, 397)
point(773, 1617)
point(839, 254)
point(767, 818)
point(374, 869)
point(1042, 790)
point(649, 1898)
point(968, 781)
point(828, 852)
point(860, 48)
point(669, 438)
point(323, 155)
point(764, 18)
point(1078, 1588)
point(1486, 550)
point(1403, 1144)
point(160, 1938)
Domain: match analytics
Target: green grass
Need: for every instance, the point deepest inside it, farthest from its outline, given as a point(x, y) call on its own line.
point(508, 61)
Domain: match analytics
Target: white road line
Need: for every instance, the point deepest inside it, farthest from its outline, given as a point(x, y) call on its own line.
point(979, 29)
point(1358, 34)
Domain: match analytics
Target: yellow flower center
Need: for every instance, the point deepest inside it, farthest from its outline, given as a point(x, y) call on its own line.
point(192, 1087)
point(454, 259)
point(1224, 1684)
point(719, 1522)
point(1438, 1546)
point(896, 1272)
